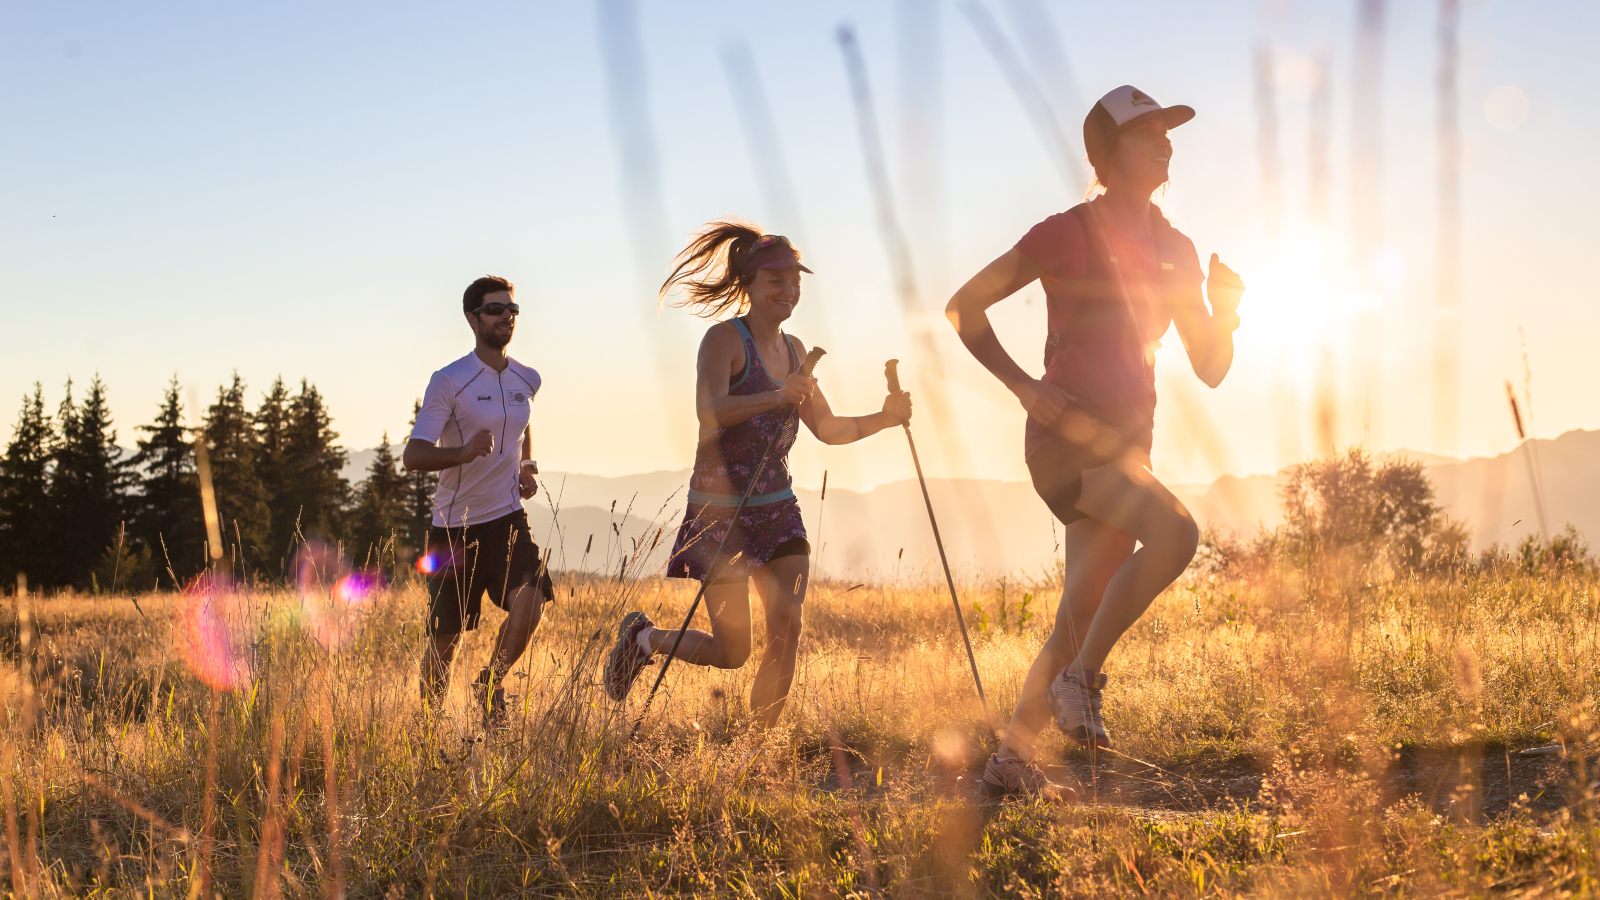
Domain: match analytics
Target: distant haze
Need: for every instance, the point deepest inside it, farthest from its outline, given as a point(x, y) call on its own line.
point(862, 533)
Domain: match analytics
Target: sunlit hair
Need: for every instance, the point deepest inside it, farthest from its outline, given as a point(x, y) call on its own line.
point(709, 270)
point(483, 287)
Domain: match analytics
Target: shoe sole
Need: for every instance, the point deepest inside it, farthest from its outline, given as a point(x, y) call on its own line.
point(999, 793)
point(1077, 734)
point(1083, 742)
point(617, 649)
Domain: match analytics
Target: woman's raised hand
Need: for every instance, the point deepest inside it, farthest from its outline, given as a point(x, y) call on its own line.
point(797, 389)
point(1044, 401)
point(898, 405)
point(1224, 287)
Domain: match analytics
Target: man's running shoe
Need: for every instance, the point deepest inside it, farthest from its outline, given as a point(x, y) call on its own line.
point(1012, 777)
point(1077, 702)
point(491, 704)
point(626, 660)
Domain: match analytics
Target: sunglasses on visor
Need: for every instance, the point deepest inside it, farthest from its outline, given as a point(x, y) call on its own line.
point(498, 309)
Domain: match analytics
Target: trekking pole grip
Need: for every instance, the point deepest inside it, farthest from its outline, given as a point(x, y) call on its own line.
point(810, 363)
point(891, 371)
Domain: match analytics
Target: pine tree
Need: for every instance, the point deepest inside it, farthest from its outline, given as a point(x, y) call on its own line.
point(272, 422)
point(420, 490)
point(165, 516)
point(25, 491)
point(88, 487)
point(315, 488)
point(380, 508)
point(241, 498)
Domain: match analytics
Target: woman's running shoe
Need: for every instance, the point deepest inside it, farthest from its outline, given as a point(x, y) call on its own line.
point(1077, 703)
point(626, 660)
point(1013, 777)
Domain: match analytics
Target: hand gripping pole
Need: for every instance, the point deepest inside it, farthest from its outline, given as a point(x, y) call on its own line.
point(806, 368)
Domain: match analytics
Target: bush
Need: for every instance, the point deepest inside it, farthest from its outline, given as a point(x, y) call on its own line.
point(1345, 507)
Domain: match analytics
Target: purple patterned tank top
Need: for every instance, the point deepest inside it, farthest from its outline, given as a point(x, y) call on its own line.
point(725, 460)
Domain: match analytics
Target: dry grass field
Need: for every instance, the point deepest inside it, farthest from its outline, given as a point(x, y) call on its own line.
point(1281, 731)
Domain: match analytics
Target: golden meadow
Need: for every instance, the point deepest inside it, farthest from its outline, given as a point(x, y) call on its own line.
point(1287, 722)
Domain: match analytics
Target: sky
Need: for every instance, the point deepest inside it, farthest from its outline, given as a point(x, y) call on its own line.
point(304, 190)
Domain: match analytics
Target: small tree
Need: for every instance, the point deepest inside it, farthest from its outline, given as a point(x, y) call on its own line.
point(1346, 504)
point(314, 487)
point(241, 497)
point(380, 507)
point(25, 490)
point(271, 423)
point(420, 490)
point(1564, 551)
point(165, 520)
point(88, 487)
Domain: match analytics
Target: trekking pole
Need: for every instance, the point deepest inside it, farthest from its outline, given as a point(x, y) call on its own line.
point(806, 367)
point(891, 372)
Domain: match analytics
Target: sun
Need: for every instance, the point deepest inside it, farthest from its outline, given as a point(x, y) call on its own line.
point(1294, 298)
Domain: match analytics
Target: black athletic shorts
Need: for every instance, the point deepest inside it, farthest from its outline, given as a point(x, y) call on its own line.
point(1057, 469)
point(497, 556)
point(792, 547)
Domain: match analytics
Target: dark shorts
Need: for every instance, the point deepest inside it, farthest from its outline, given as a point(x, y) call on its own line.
point(1057, 468)
point(497, 556)
point(791, 547)
point(762, 534)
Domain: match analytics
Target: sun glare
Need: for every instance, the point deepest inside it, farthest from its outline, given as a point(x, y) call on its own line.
point(1293, 300)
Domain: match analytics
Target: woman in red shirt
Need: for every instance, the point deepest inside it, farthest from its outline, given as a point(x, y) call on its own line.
point(1116, 274)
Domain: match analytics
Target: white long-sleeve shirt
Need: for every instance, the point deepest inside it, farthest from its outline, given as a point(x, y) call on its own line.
point(462, 399)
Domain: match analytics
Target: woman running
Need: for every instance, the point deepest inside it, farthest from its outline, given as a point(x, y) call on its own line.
point(748, 380)
point(1116, 274)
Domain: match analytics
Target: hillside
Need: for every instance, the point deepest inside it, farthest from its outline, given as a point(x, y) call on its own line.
point(995, 527)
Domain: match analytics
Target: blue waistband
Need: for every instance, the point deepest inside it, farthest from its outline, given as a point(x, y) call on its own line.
point(701, 498)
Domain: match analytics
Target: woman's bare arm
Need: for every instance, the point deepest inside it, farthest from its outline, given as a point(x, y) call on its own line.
point(968, 312)
point(1208, 337)
point(720, 351)
point(835, 429)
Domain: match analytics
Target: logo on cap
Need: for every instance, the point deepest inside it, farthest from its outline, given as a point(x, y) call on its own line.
point(1140, 98)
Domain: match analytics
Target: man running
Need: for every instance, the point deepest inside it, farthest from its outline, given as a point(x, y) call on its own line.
point(473, 428)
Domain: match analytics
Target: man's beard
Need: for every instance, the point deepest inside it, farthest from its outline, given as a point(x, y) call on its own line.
point(495, 340)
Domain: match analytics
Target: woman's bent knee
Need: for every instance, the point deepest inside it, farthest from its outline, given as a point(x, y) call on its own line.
point(1188, 537)
point(1180, 540)
point(732, 657)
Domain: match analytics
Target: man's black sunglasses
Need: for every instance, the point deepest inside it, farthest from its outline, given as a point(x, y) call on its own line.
point(498, 309)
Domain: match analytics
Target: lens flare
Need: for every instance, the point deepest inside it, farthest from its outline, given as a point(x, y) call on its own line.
point(438, 559)
point(357, 588)
point(211, 615)
point(333, 597)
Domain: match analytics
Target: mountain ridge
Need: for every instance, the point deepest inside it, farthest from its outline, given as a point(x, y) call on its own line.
point(884, 530)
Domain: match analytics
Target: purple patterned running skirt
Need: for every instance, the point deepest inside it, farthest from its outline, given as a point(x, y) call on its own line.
point(760, 531)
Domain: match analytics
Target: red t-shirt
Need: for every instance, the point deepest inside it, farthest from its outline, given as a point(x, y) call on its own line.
point(1099, 356)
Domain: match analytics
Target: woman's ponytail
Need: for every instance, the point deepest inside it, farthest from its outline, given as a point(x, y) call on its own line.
point(708, 270)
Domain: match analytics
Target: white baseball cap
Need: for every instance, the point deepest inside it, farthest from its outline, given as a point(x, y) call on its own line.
point(1121, 108)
